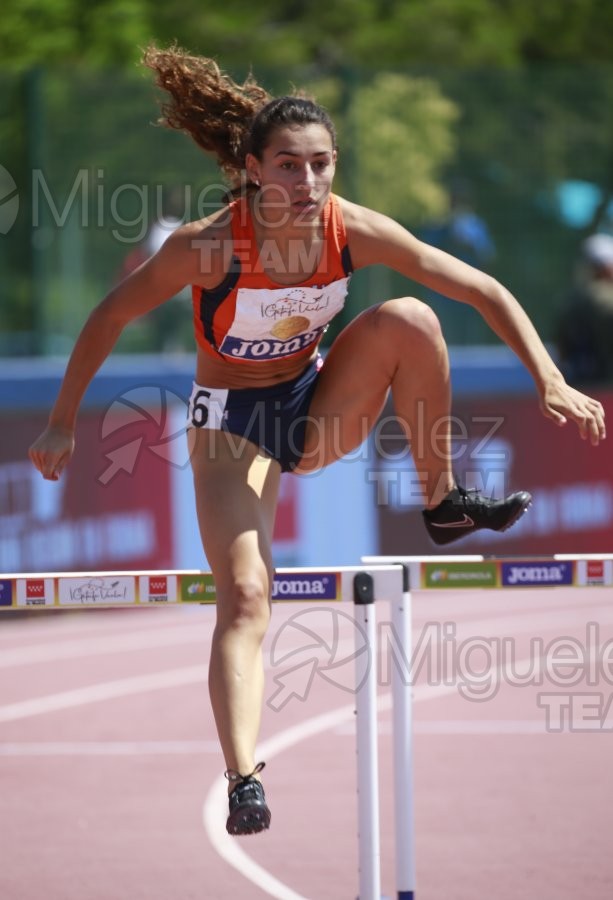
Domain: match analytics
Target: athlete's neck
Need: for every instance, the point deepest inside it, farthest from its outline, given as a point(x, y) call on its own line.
point(283, 224)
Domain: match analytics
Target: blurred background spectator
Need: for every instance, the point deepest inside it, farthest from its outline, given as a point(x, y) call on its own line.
point(168, 327)
point(463, 233)
point(586, 326)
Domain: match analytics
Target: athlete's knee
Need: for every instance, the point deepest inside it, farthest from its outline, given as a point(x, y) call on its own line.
point(244, 603)
point(411, 317)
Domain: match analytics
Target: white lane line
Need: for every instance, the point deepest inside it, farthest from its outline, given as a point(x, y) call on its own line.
point(494, 726)
point(154, 638)
point(215, 802)
point(124, 687)
point(213, 812)
point(459, 726)
point(106, 690)
point(102, 646)
point(519, 599)
point(525, 622)
point(193, 674)
point(108, 748)
point(91, 622)
point(187, 634)
point(185, 748)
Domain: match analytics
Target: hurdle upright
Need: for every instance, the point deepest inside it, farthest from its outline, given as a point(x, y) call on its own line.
point(402, 717)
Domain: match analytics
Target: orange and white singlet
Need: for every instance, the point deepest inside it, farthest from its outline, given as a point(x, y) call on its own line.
point(251, 317)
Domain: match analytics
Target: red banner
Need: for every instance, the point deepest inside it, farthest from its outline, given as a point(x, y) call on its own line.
point(111, 507)
point(503, 444)
point(286, 520)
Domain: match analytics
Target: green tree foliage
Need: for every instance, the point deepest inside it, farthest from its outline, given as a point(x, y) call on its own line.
point(404, 137)
point(291, 32)
point(511, 96)
point(91, 32)
point(521, 136)
point(397, 131)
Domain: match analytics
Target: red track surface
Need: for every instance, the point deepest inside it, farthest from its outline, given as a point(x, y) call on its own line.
point(103, 793)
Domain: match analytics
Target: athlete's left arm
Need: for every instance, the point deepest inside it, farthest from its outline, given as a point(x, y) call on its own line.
point(375, 239)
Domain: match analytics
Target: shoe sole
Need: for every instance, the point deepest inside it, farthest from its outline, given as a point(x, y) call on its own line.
point(525, 506)
point(248, 820)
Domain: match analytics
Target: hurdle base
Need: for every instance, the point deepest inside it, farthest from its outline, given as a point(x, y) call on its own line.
point(400, 897)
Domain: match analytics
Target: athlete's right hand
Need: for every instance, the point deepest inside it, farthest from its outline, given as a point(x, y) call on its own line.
point(52, 450)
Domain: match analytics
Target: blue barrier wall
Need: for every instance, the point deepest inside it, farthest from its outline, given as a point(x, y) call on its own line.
point(329, 518)
point(34, 383)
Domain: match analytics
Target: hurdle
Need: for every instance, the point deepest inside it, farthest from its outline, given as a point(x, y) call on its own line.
point(439, 573)
point(393, 579)
point(361, 585)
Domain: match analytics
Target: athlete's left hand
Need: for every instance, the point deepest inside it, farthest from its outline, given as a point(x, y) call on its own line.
point(561, 402)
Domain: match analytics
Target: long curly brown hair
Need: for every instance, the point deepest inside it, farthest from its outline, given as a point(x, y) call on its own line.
point(224, 118)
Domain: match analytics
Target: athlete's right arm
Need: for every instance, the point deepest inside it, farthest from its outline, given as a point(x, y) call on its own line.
point(158, 279)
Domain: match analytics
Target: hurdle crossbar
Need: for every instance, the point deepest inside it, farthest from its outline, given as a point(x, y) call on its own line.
point(121, 589)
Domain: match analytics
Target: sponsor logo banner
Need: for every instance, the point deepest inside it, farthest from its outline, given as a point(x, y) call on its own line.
point(6, 592)
point(294, 586)
point(460, 575)
point(268, 349)
point(98, 590)
point(595, 568)
point(270, 324)
point(198, 589)
point(307, 586)
point(595, 571)
point(532, 573)
point(35, 592)
point(157, 589)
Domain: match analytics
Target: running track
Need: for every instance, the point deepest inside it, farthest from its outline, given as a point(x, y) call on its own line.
point(109, 767)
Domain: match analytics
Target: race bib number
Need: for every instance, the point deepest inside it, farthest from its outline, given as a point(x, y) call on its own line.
point(206, 407)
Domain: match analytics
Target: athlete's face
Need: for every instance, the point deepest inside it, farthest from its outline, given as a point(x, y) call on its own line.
point(295, 173)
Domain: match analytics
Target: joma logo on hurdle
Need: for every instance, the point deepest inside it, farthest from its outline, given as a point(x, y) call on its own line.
point(302, 588)
point(537, 573)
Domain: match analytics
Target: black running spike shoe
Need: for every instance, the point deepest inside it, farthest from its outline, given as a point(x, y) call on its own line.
point(249, 813)
point(463, 512)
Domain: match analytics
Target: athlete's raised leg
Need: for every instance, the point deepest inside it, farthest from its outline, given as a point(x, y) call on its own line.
point(399, 345)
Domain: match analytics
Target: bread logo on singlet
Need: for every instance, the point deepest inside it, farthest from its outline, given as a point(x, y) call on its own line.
point(290, 327)
point(279, 322)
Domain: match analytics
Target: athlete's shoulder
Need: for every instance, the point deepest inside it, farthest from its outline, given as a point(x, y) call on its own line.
point(361, 219)
point(373, 237)
point(211, 227)
point(201, 248)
